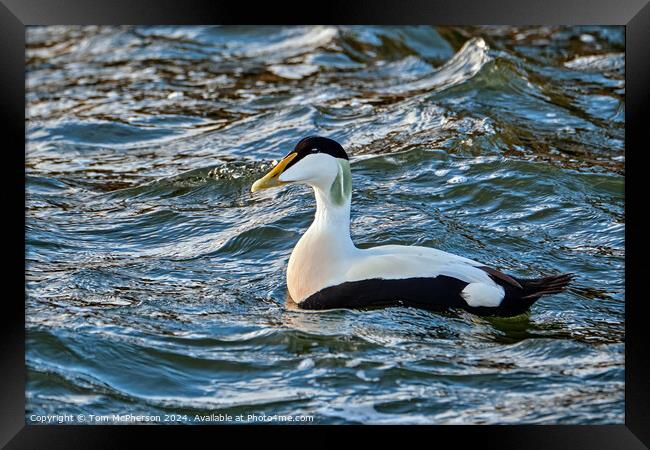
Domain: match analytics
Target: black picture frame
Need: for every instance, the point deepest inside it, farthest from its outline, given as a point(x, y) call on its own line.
point(15, 15)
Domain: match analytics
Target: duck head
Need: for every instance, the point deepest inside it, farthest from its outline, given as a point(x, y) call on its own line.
point(316, 161)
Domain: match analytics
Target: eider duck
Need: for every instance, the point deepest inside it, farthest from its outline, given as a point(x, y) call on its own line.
point(326, 270)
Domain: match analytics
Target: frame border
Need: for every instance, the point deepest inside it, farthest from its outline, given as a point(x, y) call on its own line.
point(15, 15)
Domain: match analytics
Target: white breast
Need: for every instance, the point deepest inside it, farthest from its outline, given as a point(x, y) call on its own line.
point(318, 260)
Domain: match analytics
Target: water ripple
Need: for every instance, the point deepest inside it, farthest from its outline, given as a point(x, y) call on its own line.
point(155, 281)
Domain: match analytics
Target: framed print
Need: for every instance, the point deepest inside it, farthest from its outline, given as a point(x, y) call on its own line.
point(397, 217)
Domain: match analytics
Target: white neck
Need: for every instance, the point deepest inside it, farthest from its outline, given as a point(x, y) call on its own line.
point(330, 218)
point(322, 252)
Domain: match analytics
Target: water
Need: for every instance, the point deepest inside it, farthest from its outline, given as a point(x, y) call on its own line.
point(156, 280)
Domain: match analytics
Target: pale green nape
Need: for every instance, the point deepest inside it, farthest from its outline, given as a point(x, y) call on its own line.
point(342, 187)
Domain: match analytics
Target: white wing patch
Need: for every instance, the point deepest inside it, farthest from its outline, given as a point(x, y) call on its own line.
point(481, 294)
point(395, 262)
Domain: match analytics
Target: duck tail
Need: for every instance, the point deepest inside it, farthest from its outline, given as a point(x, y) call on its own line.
point(536, 287)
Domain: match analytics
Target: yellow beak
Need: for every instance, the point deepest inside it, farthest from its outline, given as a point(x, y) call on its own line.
point(271, 179)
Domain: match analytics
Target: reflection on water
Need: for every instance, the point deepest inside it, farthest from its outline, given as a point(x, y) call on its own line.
point(155, 280)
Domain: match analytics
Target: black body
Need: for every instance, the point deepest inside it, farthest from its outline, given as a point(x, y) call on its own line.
point(434, 293)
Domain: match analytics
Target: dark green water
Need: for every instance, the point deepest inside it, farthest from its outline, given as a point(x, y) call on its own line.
point(156, 280)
